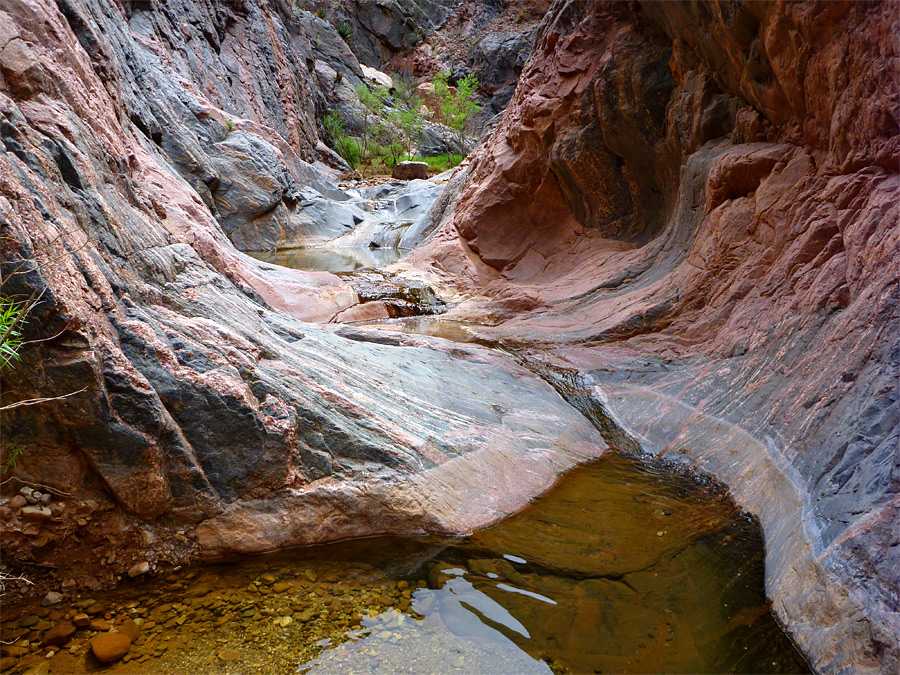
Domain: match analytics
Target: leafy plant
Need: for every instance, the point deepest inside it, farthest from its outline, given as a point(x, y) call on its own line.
point(456, 107)
point(344, 30)
point(12, 316)
point(333, 125)
point(348, 148)
point(321, 13)
point(409, 124)
point(344, 145)
point(373, 108)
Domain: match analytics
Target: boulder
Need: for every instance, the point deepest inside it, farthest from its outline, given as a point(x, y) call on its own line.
point(109, 647)
point(376, 78)
point(59, 634)
point(37, 513)
point(130, 629)
point(410, 170)
point(138, 569)
point(99, 624)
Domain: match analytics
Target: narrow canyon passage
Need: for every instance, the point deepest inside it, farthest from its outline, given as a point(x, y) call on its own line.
point(449, 336)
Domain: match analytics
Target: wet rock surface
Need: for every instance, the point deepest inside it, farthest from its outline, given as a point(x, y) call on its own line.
point(400, 297)
point(194, 392)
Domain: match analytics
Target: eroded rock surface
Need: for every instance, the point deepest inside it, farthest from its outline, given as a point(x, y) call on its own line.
point(697, 203)
point(692, 204)
point(200, 410)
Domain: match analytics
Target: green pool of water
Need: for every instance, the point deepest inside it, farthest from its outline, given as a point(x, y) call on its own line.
point(628, 565)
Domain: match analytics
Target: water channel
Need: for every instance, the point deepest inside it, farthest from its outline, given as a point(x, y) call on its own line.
point(629, 565)
point(331, 259)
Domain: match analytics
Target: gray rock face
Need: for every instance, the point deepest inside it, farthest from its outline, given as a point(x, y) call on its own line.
point(195, 387)
point(329, 47)
point(397, 215)
point(436, 139)
point(497, 60)
point(381, 28)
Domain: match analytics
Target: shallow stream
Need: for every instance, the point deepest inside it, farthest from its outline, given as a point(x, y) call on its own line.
point(331, 259)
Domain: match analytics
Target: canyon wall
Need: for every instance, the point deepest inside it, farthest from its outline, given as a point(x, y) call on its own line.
point(697, 204)
point(196, 407)
point(693, 204)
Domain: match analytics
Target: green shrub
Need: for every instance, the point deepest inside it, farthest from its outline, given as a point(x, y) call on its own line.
point(456, 109)
point(11, 320)
point(373, 101)
point(409, 125)
point(348, 148)
point(344, 30)
point(344, 145)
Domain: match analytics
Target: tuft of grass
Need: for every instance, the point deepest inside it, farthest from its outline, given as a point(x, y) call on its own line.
point(321, 13)
point(344, 30)
point(11, 341)
point(13, 451)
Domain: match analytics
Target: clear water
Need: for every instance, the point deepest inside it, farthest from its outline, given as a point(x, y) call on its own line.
point(332, 259)
point(627, 566)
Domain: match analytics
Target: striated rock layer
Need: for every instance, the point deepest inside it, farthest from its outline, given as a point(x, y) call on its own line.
point(202, 412)
point(696, 204)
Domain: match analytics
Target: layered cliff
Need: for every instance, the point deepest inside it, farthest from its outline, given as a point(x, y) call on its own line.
point(695, 205)
point(698, 204)
point(200, 412)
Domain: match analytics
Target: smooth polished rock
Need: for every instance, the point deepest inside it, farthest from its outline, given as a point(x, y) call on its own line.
point(714, 245)
point(110, 647)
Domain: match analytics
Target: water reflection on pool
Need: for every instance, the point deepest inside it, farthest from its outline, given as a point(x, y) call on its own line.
point(331, 259)
point(628, 565)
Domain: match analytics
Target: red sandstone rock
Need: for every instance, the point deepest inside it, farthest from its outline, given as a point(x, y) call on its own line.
point(109, 647)
point(714, 235)
point(59, 634)
point(367, 311)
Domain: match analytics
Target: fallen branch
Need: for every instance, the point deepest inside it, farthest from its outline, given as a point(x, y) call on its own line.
point(36, 401)
point(44, 488)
